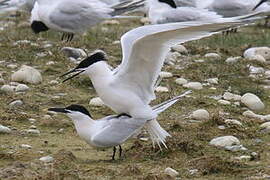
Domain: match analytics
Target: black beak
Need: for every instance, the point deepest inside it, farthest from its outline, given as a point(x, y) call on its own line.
point(72, 71)
point(61, 110)
point(262, 1)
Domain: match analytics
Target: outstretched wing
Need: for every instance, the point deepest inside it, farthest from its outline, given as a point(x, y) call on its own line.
point(144, 50)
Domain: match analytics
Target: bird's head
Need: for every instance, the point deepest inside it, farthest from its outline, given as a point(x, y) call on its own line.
point(260, 3)
point(85, 65)
point(38, 26)
point(74, 111)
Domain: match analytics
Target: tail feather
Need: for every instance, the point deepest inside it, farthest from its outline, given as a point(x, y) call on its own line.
point(126, 6)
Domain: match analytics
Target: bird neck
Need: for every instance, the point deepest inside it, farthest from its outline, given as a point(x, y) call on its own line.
point(84, 127)
point(100, 73)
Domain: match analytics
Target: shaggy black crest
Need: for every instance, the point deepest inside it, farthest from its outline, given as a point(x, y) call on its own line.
point(96, 57)
point(169, 2)
point(79, 108)
point(38, 26)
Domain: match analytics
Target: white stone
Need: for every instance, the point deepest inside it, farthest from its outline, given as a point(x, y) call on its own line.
point(27, 74)
point(181, 81)
point(236, 148)
point(50, 63)
point(33, 131)
point(8, 88)
point(46, 159)
point(200, 114)
point(2, 81)
point(26, 146)
point(212, 56)
point(16, 103)
point(172, 57)
point(22, 88)
point(224, 141)
point(243, 158)
point(230, 96)
point(258, 58)
point(53, 82)
point(251, 114)
point(252, 101)
point(233, 122)
point(180, 48)
point(221, 127)
point(212, 80)
point(12, 66)
point(111, 22)
point(116, 42)
point(164, 74)
point(73, 52)
point(233, 59)
point(4, 129)
point(145, 20)
point(265, 126)
point(267, 74)
point(262, 51)
point(31, 120)
point(171, 172)
point(96, 102)
point(193, 85)
point(224, 102)
point(256, 70)
point(161, 89)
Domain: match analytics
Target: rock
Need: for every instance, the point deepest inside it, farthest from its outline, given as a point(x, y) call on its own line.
point(181, 81)
point(32, 121)
point(164, 74)
point(116, 42)
point(22, 88)
point(27, 74)
point(8, 88)
point(233, 59)
point(180, 48)
point(33, 131)
point(255, 51)
point(267, 74)
point(49, 63)
point(229, 96)
point(111, 22)
point(212, 80)
point(258, 58)
point(256, 70)
point(53, 82)
point(96, 102)
point(224, 141)
point(224, 102)
point(4, 129)
point(46, 159)
point(233, 122)
point(243, 158)
point(145, 20)
point(193, 85)
point(171, 172)
point(172, 57)
point(252, 101)
point(2, 81)
point(221, 127)
point(161, 89)
point(12, 66)
point(26, 146)
point(265, 126)
point(251, 114)
point(73, 52)
point(200, 114)
point(16, 103)
point(212, 56)
point(236, 148)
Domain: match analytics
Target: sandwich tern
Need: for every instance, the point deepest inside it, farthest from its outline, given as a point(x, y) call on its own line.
point(129, 88)
point(75, 17)
point(14, 5)
point(109, 131)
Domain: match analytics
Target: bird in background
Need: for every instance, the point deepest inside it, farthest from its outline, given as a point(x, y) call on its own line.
point(15, 5)
point(261, 3)
point(109, 131)
point(76, 17)
point(129, 88)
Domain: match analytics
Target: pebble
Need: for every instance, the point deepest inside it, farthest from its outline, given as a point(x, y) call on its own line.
point(171, 172)
point(111, 22)
point(73, 52)
point(221, 127)
point(200, 114)
point(53, 82)
point(4, 129)
point(181, 81)
point(252, 101)
point(245, 158)
point(2, 81)
point(12, 66)
point(97, 101)
point(199, 61)
point(50, 63)
point(251, 114)
point(8, 88)
point(46, 159)
point(224, 141)
point(145, 20)
point(233, 122)
point(172, 57)
point(233, 59)
point(32, 121)
point(256, 70)
point(22, 88)
point(179, 48)
point(267, 74)
point(254, 51)
point(161, 89)
point(26, 146)
point(236, 148)
point(27, 74)
point(212, 56)
point(224, 102)
point(230, 96)
point(193, 85)
point(164, 74)
point(33, 131)
point(212, 80)
point(265, 126)
point(16, 103)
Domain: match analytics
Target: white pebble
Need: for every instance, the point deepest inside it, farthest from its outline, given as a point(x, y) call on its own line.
point(233, 59)
point(236, 148)
point(16, 103)
point(27, 74)
point(4, 129)
point(161, 89)
point(256, 70)
point(200, 114)
point(224, 141)
point(224, 102)
point(50, 63)
point(265, 126)
point(46, 159)
point(33, 131)
point(233, 122)
point(145, 20)
point(172, 57)
point(8, 88)
point(53, 82)
point(251, 114)
point(243, 158)
point(12, 66)
point(212, 56)
point(97, 101)
point(73, 52)
point(252, 101)
point(230, 96)
point(181, 81)
point(26, 146)
point(212, 80)
point(171, 172)
point(22, 88)
point(262, 51)
point(180, 48)
point(111, 22)
point(164, 74)
point(193, 85)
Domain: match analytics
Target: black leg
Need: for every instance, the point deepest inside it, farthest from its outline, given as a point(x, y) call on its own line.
point(114, 151)
point(120, 151)
point(63, 37)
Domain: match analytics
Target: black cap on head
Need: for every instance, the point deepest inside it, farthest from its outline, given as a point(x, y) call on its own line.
point(261, 2)
point(38, 26)
point(79, 108)
point(95, 57)
point(169, 2)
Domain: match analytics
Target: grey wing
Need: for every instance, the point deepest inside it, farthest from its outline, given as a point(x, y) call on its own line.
point(117, 132)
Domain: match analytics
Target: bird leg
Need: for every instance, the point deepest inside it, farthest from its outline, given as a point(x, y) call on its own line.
point(120, 151)
point(67, 36)
point(114, 151)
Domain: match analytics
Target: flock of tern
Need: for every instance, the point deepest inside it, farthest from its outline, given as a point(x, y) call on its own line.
point(129, 88)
